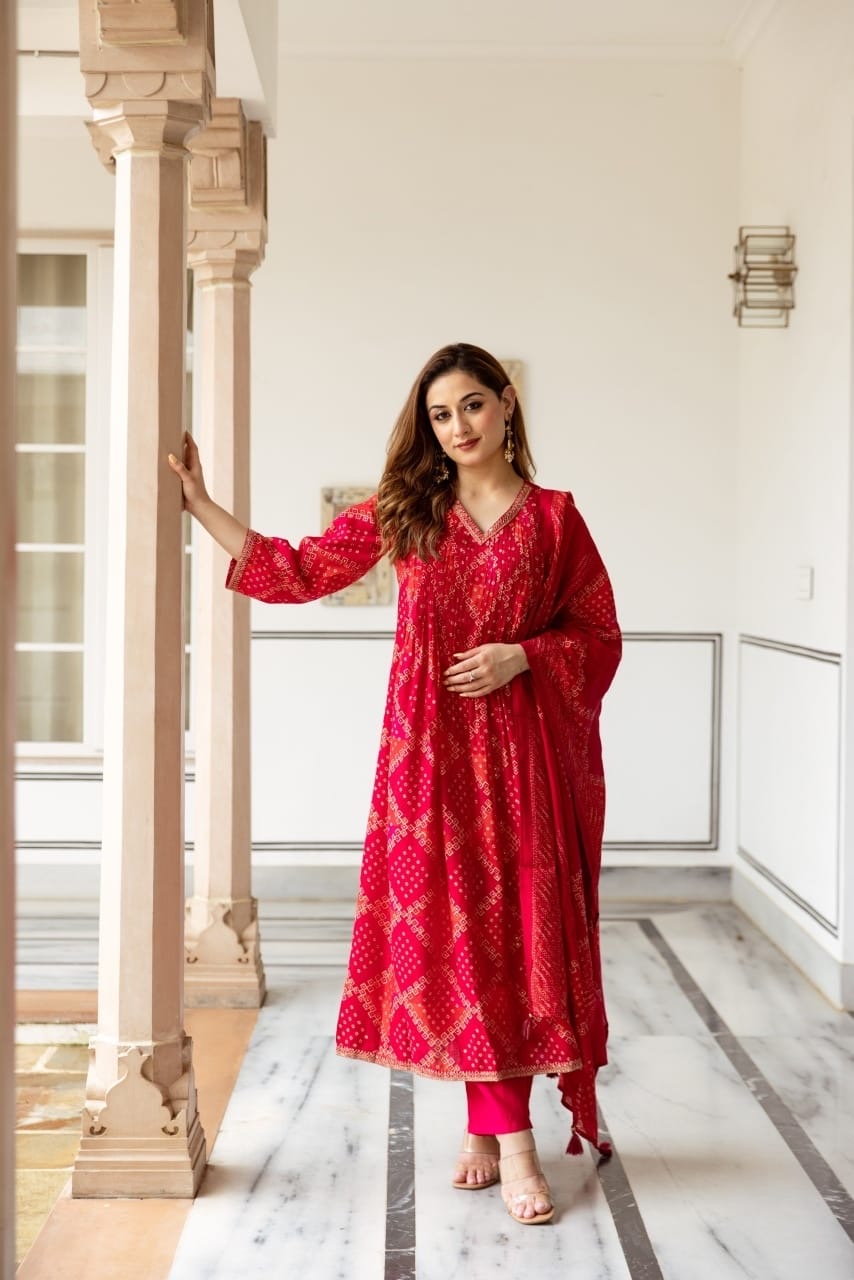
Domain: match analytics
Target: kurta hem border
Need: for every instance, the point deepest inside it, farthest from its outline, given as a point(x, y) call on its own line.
point(394, 1064)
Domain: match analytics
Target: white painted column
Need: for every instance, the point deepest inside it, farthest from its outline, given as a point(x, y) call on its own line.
point(226, 244)
point(141, 1130)
point(7, 640)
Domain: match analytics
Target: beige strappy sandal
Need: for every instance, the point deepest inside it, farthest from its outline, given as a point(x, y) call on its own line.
point(521, 1167)
point(475, 1145)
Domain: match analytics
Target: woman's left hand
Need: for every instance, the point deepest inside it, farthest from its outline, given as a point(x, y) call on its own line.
point(484, 669)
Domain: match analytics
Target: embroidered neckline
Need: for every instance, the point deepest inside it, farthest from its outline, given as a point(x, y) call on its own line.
point(482, 535)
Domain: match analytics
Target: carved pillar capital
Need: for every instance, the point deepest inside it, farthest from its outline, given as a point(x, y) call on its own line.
point(223, 257)
point(147, 61)
point(228, 195)
point(141, 21)
point(144, 127)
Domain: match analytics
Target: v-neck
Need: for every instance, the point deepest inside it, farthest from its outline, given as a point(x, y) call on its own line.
point(482, 535)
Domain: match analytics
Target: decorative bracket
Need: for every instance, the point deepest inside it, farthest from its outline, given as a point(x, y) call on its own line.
point(134, 1106)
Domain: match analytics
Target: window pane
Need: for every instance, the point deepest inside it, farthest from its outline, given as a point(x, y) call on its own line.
point(52, 299)
point(190, 302)
point(50, 597)
point(188, 619)
point(51, 407)
point(188, 596)
point(50, 497)
point(50, 697)
point(188, 355)
point(51, 412)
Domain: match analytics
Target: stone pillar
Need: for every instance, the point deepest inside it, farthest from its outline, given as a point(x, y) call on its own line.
point(228, 231)
point(7, 640)
point(149, 72)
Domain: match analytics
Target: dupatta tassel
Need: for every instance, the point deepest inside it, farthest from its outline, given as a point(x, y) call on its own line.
point(575, 1147)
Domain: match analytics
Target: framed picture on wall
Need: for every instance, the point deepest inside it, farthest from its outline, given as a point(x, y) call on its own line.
point(515, 372)
point(376, 586)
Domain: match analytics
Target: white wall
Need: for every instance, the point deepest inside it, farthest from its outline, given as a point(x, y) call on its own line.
point(62, 185)
point(793, 470)
point(577, 215)
point(796, 168)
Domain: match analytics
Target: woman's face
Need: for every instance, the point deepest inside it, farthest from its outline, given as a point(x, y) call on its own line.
point(468, 419)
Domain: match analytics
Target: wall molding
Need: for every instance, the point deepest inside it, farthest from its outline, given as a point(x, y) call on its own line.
point(797, 650)
point(504, 51)
point(832, 658)
point(30, 773)
point(59, 846)
point(833, 977)
point(323, 635)
point(58, 775)
point(712, 843)
point(788, 892)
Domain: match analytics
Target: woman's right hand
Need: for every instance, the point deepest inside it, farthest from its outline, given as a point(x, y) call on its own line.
point(223, 527)
point(190, 473)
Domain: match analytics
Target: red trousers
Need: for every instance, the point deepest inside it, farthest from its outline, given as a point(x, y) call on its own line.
point(502, 1106)
point(499, 1106)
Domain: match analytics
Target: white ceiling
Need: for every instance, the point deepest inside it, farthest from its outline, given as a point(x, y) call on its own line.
point(247, 67)
point(51, 85)
point(699, 28)
point(553, 27)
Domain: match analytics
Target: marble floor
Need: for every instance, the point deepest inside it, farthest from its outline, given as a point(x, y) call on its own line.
point(729, 1100)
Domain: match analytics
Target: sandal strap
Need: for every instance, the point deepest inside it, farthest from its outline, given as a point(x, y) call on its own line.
point(469, 1148)
point(519, 1166)
point(509, 1165)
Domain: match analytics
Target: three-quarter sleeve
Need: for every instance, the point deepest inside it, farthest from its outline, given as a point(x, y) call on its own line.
point(276, 572)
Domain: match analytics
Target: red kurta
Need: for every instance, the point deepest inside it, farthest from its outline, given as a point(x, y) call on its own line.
point(487, 813)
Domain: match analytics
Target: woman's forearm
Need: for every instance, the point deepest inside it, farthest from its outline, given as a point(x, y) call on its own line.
point(223, 527)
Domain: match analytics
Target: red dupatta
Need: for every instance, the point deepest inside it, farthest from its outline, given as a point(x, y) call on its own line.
point(573, 655)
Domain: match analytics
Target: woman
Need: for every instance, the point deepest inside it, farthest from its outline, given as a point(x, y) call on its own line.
point(475, 951)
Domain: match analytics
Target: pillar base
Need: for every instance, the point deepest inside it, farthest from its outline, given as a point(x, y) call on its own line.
point(211, 986)
point(223, 966)
point(162, 1168)
point(140, 1138)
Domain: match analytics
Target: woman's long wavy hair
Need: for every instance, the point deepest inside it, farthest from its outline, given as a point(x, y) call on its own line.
point(412, 500)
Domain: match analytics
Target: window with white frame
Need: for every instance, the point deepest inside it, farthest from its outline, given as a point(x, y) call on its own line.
point(53, 359)
point(64, 314)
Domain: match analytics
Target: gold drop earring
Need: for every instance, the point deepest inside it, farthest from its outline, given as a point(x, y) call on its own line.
point(510, 445)
point(440, 470)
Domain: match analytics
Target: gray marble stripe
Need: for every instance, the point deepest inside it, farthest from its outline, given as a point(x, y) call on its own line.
point(400, 1198)
point(805, 1152)
point(634, 1240)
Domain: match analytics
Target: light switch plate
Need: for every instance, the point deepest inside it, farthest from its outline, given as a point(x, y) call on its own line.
point(805, 582)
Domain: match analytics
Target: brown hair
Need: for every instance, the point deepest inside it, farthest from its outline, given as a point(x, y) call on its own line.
point(412, 501)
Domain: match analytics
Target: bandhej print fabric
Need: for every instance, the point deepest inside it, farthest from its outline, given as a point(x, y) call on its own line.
point(475, 951)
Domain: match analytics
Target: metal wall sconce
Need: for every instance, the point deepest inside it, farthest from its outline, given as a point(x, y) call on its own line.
point(764, 277)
